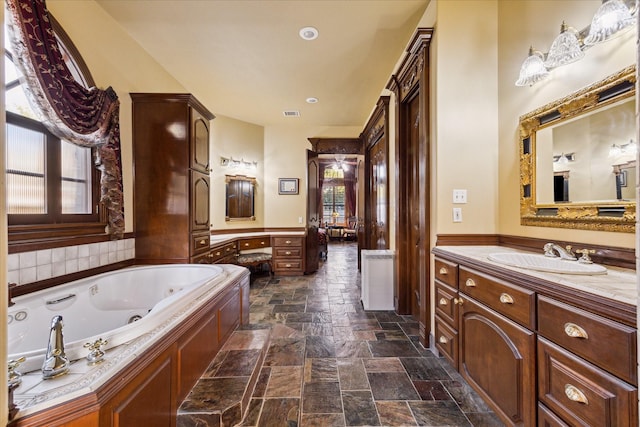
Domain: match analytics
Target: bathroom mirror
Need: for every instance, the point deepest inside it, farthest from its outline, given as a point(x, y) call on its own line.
point(577, 159)
point(239, 201)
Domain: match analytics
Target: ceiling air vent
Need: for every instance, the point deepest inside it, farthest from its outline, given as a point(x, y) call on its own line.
point(291, 113)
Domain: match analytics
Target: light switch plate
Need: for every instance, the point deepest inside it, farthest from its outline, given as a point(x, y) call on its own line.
point(459, 196)
point(457, 214)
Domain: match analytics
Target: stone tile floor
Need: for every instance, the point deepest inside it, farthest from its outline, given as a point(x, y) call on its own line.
point(330, 363)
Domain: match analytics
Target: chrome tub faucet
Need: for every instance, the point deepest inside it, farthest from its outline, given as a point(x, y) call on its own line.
point(563, 253)
point(55, 360)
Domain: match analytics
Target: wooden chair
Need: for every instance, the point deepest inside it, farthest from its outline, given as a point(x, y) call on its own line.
point(351, 231)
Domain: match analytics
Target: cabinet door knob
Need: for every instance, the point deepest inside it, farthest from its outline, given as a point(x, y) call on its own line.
point(458, 301)
point(506, 299)
point(575, 331)
point(470, 283)
point(575, 394)
point(443, 301)
point(443, 339)
point(444, 271)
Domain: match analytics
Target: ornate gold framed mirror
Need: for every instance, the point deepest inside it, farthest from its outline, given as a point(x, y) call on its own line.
point(578, 159)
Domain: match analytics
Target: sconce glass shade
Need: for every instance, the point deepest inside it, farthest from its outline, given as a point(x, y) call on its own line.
point(565, 49)
point(612, 17)
point(533, 69)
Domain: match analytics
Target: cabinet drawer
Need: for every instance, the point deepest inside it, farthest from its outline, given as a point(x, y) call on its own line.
point(203, 258)
point(447, 304)
point(284, 265)
point(254, 243)
point(199, 243)
point(220, 252)
point(581, 393)
point(287, 241)
point(447, 341)
point(546, 418)
point(288, 252)
point(446, 272)
point(608, 344)
point(513, 301)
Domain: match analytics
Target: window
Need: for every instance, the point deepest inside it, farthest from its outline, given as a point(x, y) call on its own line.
point(49, 181)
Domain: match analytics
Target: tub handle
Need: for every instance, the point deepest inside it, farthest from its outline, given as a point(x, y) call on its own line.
point(59, 300)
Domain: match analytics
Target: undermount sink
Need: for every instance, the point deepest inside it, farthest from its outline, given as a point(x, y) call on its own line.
point(540, 262)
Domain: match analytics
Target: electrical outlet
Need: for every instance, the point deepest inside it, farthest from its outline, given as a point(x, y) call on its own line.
point(459, 196)
point(299, 220)
point(457, 214)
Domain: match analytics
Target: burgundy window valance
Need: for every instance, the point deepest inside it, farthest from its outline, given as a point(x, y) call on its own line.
point(88, 117)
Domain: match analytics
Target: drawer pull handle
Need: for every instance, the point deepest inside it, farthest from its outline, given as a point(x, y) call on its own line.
point(506, 299)
point(218, 253)
point(575, 394)
point(287, 265)
point(287, 253)
point(246, 244)
point(470, 283)
point(228, 249)
point(288, 242)
point(262, 243)
point(444, 271)
point(202, 242)
point(575, 331)
point(210, 255)
point(443, 339)
point(443, 301)
point(458, 301)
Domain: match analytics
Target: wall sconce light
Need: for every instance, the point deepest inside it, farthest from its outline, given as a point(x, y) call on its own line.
point(612, 18)
point(234, 163)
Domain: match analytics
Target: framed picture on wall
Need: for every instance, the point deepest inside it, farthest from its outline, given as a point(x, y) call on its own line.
point(288, 185)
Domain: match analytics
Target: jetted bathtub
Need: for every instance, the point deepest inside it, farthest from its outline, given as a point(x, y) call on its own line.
point(117, 306)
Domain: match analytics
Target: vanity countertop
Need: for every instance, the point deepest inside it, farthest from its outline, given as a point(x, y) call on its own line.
point(619, 284)
point(216, 239)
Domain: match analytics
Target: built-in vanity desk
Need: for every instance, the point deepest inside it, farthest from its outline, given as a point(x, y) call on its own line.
point(541, 348)
point(287, 249)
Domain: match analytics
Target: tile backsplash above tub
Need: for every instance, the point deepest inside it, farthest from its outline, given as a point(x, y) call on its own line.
point(33, 266)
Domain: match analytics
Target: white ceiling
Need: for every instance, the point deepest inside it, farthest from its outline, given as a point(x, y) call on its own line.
point(244, 59)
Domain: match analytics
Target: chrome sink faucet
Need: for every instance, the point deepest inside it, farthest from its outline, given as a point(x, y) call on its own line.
point(563, 253)
point(55, 361)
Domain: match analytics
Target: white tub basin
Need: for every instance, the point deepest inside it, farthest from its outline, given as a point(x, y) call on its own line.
point(540, 262)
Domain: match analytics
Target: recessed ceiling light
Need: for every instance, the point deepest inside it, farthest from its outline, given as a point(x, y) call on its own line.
point(312, 100)
point(309, 33)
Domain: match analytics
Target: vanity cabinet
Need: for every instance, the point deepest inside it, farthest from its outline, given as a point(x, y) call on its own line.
point(497, 346)
point(171, 183)
point(288, 255)
point(538, 353)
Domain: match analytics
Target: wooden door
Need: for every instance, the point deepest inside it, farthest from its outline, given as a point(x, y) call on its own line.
point(313, 212)
point(378, 201)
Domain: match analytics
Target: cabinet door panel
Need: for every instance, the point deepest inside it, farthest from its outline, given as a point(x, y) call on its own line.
point(497, 358)
point(199, 201)
point(200, 142)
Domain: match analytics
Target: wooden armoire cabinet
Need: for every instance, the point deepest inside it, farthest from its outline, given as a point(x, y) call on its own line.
point(171, 177)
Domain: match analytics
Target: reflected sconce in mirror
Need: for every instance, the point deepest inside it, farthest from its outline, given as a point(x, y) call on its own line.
point(578, 121)
point(611, 19)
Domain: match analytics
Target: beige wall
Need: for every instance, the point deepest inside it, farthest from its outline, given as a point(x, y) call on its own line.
point(240, 140)
point(285, 156)
point(537, 22)
point(465, 143)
